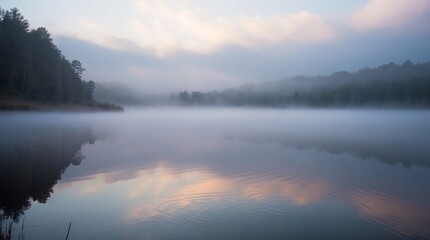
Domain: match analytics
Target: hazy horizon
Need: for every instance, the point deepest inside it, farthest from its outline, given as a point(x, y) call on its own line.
point(164, 46)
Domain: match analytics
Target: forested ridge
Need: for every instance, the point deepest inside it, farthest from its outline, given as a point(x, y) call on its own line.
point(388, 85)
point(33, 69)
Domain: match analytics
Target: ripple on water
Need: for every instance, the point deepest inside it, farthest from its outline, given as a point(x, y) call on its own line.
point(401, 212)
point(212, 209)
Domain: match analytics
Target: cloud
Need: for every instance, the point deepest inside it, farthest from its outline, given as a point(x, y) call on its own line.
point(166, 27)
point(233, 65)
point(393, 14)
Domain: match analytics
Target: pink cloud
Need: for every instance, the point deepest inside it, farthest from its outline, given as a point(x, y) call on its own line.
point(393, 14)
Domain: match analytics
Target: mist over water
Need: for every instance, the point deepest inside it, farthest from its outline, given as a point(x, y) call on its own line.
point(214, 120)
point(217, 173)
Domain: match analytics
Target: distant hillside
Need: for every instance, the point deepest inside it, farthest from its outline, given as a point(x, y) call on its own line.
point(389, 85)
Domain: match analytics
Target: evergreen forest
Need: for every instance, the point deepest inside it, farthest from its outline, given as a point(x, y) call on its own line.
point(33, 69)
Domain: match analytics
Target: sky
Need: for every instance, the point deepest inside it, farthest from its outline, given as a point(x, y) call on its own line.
point(165, 45)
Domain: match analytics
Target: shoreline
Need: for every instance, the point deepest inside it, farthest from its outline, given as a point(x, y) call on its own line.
point(20, 105)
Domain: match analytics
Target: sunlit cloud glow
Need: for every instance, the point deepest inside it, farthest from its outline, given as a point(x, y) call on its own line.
point(165, 27)
point(182, 27)
point(393, 14)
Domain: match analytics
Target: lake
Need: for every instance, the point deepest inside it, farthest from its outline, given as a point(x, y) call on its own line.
point(216, 173)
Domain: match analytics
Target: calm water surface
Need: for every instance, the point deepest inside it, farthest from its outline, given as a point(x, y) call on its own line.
point(217, 174)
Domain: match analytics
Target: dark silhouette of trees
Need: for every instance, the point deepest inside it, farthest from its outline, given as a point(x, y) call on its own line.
point(91, 86)
point(389, 85)
point(30, 167)
point(184, 96)
point(32, 68)
point(77, 67)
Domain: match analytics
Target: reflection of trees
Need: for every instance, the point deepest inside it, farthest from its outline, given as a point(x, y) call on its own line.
point(32, 162)
point(388, 152)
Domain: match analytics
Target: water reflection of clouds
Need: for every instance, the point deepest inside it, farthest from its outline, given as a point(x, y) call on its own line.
point(400, 215)
point(300, 193)
point(165, 167)
point(162, 192)
point(170, 187)
point(186, 190)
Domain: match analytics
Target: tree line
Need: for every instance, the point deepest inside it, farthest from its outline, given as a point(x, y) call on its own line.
point(389, 85)
point(32, 68)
